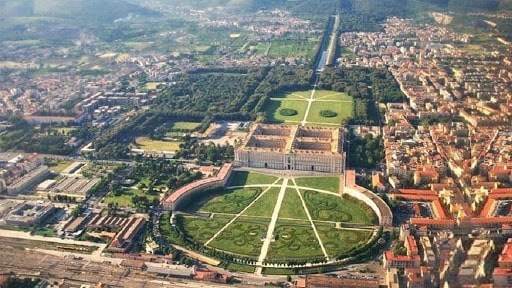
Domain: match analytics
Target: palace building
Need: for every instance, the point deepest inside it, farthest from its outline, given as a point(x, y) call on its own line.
point(292, 148)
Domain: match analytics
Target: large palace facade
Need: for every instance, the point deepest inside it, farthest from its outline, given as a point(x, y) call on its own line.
point(292, 148)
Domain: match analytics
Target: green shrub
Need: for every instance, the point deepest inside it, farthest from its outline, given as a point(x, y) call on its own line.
point(288, 112)
point(328, 113)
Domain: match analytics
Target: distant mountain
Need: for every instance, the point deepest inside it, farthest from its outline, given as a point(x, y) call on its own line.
point(472, 5)
point(235, 4)
point(88, 10)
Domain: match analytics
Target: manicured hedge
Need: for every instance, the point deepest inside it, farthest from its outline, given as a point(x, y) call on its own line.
point(288, 112)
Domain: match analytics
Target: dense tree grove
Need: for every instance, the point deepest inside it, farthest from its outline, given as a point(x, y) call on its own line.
point(14, 282)
point(211, 152)
point(207, 95)
point(163, 172)
point(365, 152)
point(44, 138)
point(367, 86)
point(217, 93)
point(362, 82)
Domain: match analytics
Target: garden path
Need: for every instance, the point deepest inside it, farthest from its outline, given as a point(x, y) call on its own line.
point(311, 220)
point(310, 100)
point(271, 227)
point(239, 214)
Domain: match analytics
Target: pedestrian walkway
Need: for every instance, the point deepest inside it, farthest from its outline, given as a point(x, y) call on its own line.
point(310, 220)
point(239, 214)
point(310, 100)
point(271, 227)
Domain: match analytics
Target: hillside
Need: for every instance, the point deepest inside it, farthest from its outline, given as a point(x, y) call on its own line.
point(84, 10)
point(470, 5)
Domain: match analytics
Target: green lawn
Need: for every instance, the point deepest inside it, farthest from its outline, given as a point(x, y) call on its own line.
point(292, 206)
point(331, 184)
point(277, 271)
point(294, 241)
point(293, 47)
point(294, 238)
point(337, 241)
point(45, 232)
point(331, 95)
point(59, 165)
point(274, 106)
point(231, 201)
point(125, 199)
point(66, 130)
point(343, 109)
point(260, 48)
point(241, 237)
point(241, 178)
point(185, 125)
point(327, 207)
point(168, 231)
point(303, 95)
point(152, 85)
point(202, 229)
point(338, 102)
point(240, 268)
point(147, 144)
point(265, 205)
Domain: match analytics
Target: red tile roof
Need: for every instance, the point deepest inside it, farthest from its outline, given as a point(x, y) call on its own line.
point(223, 172)
point(417, 192)
point(133, 264)
point(390, 256)
point(439, 209)
point(506, 253)
point(489, 204)
point(413, 247)
point(503, 272)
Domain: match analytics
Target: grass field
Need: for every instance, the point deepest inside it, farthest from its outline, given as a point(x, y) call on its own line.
point(240, 178)
point(243, 237)
point(292, 206)
point(331, 184)
point(125, 199)
point(277, 271)
point(293, 48)
point(152, 85)
point(185, 125)
point(260, 48)
point(294, 241)
point(203, 229)
point(326, 207)
point(294, 237)
point(336, 240)
point(60, 165)
point(66, 130)
point(343, 109)
point(232, 201)
point(147, 144)
point(240, 268)
point(265, 205)
point(338, 102)
point(167, 230)
point(274, 106)
point(330, 95)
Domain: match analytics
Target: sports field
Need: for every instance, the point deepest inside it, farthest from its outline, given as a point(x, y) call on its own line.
point(147, 144)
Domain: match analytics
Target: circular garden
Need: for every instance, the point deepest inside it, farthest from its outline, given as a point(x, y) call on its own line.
point(235, 222)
